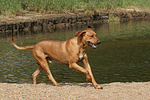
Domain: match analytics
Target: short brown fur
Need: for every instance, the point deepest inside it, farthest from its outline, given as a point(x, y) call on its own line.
point(68, 52)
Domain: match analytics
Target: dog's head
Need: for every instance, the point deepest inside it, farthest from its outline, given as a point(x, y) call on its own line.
point(88, 38)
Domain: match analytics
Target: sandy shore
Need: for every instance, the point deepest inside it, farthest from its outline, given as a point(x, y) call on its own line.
point(112, 91)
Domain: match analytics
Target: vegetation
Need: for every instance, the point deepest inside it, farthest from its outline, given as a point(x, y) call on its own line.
point(16, 6)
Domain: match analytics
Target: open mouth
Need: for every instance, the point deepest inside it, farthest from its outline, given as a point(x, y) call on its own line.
point(92, 45)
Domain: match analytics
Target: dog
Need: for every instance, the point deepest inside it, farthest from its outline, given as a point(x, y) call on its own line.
point(68, 52)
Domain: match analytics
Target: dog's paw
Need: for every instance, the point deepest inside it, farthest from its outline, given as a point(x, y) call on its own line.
point(98, 87)
point(59, 85)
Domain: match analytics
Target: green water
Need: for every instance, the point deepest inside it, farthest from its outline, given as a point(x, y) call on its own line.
point(123, 55)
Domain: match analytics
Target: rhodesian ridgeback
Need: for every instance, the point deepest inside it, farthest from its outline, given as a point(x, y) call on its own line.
point(68, 52)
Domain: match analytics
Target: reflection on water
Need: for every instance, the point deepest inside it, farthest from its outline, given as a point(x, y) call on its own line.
point(123, 55)
point(126, 60)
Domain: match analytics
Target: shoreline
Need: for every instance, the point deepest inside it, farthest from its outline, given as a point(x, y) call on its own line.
point(85, 91)
point(31, 21)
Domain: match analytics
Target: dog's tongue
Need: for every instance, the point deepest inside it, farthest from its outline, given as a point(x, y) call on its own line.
point(94, 46)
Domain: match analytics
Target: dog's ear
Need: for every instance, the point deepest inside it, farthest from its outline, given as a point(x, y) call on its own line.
point(89, 27)
point(80, 35)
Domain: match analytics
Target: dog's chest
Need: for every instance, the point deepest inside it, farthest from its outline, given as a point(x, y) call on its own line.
point(81, 57)
point(81, 54)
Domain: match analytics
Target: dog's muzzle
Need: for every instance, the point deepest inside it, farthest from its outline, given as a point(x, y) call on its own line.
point(93, 45)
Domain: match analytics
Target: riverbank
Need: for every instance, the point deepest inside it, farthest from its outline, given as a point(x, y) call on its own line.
point(32, 21)
point(112, 91)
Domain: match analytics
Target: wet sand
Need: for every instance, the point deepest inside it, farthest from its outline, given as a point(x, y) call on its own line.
point(112, 91)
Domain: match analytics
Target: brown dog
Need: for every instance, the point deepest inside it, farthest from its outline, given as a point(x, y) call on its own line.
point(68, 52)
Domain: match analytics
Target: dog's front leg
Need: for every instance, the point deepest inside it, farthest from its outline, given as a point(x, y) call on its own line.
point(79, 68)
point(88, 68)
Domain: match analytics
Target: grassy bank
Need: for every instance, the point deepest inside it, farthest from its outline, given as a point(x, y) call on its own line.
point(17, 6)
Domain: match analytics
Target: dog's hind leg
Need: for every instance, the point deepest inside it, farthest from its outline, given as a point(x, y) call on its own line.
point(45, 66)
point(36, 73)
point(40, 57)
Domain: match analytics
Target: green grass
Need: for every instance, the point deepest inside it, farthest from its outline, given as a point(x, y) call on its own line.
point(16, 6)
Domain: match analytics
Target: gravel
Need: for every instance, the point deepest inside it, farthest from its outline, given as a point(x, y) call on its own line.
point(85, 91)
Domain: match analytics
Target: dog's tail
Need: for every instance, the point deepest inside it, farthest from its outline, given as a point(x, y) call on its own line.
point(21, 48)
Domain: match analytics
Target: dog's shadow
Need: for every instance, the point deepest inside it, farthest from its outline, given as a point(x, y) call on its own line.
point(75, 84)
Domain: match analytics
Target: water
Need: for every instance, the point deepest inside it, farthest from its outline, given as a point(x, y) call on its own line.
point(123, 55)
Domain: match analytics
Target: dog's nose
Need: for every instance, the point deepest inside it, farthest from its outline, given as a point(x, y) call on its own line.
point(98, 42)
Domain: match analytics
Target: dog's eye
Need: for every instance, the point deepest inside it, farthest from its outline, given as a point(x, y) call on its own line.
point(92, 36)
